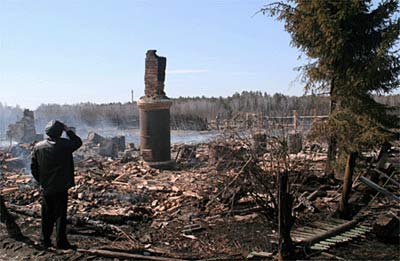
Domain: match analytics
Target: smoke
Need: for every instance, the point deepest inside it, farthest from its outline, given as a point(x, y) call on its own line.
point(8, 115)
point(86, 117)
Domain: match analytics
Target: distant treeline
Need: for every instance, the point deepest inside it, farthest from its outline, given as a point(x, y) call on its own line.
point(186, 113)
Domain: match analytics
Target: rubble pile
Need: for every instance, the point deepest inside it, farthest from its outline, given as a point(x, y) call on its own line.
point(210, 205)
point(100, 147)
point(24, 130)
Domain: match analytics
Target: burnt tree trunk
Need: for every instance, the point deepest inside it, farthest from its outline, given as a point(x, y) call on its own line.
point(13, 229)
point(332, 146)
point(344, 208)
point(285, 220)
point(329, 169)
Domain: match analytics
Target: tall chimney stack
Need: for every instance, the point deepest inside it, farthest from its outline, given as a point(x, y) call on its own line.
point(155, 133)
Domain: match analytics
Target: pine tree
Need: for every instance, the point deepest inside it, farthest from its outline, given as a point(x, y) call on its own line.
point(352, 53)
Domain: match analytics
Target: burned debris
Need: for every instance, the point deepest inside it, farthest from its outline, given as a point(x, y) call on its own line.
point(219, 187)
point(24, 130)
point(220, 184)
point(12, 227)
point(105, 147)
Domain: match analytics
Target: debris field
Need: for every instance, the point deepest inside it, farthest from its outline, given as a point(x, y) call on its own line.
point(217, 202)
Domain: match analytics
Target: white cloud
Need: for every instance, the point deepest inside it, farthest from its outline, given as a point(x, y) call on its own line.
point(186, 71)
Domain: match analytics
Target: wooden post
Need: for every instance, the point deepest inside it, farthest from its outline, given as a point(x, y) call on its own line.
point(381, 160)
point(5, 217)
point(285, 219)
point(344, 210)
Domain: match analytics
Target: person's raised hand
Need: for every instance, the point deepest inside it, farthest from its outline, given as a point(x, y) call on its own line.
point(66, 128)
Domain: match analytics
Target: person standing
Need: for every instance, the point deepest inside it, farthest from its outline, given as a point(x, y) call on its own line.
point(53, 167)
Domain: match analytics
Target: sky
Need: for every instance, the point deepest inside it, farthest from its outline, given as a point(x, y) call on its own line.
point(94, 50)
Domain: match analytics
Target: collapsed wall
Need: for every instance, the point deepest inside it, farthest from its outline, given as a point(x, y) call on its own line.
point(23, 131)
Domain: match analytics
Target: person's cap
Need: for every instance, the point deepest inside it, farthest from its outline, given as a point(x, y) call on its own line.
point(54, 129)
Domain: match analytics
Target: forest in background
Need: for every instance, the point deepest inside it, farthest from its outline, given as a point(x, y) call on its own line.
point(186, 113)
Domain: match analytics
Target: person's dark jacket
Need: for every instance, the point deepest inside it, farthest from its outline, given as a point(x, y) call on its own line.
point(52, 163)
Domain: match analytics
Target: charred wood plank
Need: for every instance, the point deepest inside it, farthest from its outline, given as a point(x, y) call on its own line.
point(378, 188)
point(107, 253)
point(387, 177)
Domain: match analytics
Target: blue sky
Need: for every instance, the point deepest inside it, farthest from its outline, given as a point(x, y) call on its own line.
point(93, 50)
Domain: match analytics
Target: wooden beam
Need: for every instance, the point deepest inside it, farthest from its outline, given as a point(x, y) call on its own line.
point(108, 253)
point(378, 188)
point(387, 177)
point(321, 236)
